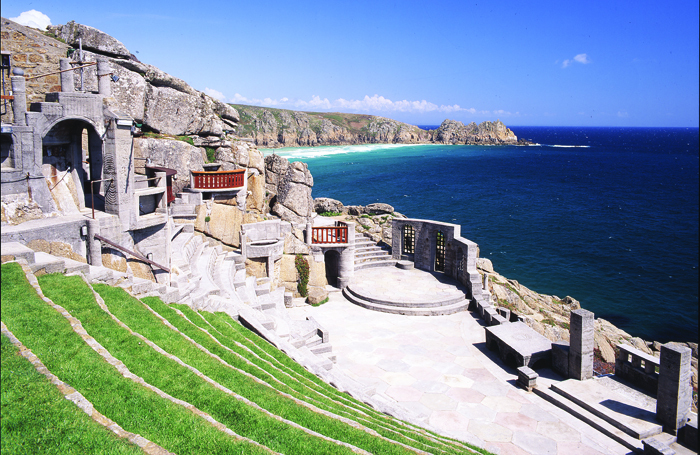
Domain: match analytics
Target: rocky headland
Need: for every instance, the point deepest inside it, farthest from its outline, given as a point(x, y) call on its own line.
point(272, 128)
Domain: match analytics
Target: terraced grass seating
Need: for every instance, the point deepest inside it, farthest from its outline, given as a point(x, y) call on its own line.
point(49, 334)
point(36, 418)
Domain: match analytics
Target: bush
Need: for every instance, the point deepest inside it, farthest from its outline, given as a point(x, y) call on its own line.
point(330, 214)
point(302, 266)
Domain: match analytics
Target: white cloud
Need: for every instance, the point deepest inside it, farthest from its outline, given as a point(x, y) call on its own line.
point(622, 114)
point(579, 58)
point(214, 94)
point(582, 58)
point(368, 104)
point(33, 18)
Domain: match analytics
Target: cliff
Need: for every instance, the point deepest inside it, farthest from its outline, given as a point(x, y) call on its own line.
point(270, 127)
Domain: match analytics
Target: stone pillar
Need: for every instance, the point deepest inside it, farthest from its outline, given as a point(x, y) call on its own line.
point(309, 230)
point(94, 249)
point(674, 393)
point(67, 82)
point(581, 344)
point(346, 267)
point(19, 103)
point(103, 77)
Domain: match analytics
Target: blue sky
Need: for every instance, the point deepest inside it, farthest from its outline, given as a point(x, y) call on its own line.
point(550, 63)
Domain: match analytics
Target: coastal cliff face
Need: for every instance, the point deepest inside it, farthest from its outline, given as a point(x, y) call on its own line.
point(272, 128)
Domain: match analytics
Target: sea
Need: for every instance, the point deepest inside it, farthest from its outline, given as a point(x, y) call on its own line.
point(608, 216)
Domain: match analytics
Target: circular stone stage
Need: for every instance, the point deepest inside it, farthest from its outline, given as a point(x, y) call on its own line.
point(411, 292)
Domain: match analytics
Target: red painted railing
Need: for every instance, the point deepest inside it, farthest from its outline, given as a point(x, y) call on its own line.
point(218, 180)
point(329, 234)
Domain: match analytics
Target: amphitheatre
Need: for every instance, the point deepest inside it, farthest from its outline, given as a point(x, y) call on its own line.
point(166, 288)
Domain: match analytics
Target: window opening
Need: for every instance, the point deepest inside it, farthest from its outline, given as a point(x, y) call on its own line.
point(409, 239)
point(440, 252)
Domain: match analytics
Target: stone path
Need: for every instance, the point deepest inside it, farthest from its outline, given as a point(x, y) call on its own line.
point(439, 367)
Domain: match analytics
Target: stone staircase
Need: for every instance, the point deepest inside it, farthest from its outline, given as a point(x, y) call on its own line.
point(183, 208)
point(369, 254)
point(204, 277)
point(614, 409)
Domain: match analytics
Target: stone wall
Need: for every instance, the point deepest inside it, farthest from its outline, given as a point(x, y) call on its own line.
point(34, 53)
point(460, 253)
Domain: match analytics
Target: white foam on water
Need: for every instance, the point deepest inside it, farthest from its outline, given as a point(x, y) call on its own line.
point(329, 150)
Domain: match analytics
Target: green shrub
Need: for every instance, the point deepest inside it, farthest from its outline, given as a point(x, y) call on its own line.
point(211, 154)
point(207, 219)
point(302, 266)
point(330, 214)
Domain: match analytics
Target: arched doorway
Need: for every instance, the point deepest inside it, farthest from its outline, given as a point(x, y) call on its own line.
point(332, 260)
point(71, 158)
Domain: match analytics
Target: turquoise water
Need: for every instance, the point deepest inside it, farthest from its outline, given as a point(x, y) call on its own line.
point(613, 222)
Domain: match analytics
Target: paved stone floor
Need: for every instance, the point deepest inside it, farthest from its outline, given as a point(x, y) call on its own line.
point(439, 368)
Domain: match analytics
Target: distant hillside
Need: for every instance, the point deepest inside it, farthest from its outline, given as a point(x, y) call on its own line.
point(271, 127)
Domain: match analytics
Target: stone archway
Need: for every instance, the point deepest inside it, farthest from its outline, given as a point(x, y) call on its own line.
point(74, 147)
point(332, 260)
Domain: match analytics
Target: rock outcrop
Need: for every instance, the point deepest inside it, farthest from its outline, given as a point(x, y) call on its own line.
point(290, 186)
point(454, 132)
point(158, 101)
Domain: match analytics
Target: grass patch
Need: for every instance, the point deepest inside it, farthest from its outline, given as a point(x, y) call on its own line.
point(211, 154)
point(330, 214)
point(136, 409)
point(321, 302)
point(36, 417)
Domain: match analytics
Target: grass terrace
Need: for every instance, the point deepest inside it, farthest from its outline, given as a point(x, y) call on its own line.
point(208, 385)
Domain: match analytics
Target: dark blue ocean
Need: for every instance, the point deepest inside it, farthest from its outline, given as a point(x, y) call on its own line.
point(612, 222)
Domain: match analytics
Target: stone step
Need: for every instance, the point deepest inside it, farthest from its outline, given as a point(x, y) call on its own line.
point(46, 263)
point(17, 251)
point(314, 341)
point(73, 266)
point(378, 263)
point(182, 209)
point(409, 311)
point(322, 348)
point(591, 419)
point(615, 408)
point(371, 254)
point(454, 297)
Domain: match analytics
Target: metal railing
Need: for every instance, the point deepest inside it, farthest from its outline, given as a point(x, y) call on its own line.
point(127, 251)
point(329, 234)
point(218, 180)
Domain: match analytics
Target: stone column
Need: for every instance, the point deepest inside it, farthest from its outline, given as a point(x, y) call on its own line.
point(581, 344)
point(103, 77)
point(67, 82)
point(19, 103)
point(674, 393)
point(94, 246)
point(309, 230)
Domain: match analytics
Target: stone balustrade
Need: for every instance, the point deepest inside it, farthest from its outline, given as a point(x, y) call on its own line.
point(637, 367)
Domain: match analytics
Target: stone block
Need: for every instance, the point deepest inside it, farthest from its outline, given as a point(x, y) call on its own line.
point(653, 446)
point(674, 394)
point(581, 344)
point(316, 296)
point(288, 296)
point(527, 378)
point(560, 358)
point(688, 434)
